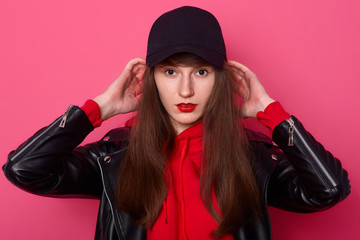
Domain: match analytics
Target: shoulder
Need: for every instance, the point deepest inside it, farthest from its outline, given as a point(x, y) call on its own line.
point(120, 134)
point(262, 142)
point(113, 145)
point(266, 153)
point(113, 141)
point(257, 137)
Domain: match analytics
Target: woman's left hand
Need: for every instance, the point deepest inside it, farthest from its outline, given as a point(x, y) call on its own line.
point(250, 90)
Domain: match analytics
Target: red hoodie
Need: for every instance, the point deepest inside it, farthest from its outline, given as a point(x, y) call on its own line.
point(183, 215)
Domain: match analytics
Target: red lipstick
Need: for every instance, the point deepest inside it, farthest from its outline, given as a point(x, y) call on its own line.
point(186, 107)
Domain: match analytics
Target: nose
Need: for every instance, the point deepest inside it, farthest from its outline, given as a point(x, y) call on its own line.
point(186, 89)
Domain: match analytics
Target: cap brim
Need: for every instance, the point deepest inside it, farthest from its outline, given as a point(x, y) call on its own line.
point(209, 56)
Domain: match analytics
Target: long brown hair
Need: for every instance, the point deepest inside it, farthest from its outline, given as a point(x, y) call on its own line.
point(226, 165)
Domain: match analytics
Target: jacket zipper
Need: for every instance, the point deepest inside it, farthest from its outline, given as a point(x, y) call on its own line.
point(50, 127)
point(64, 116)
point(107, 196)
point(291, 132)
point(324, 173)
point(266, 208)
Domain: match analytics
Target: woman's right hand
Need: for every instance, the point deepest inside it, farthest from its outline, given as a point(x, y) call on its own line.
point(250, 89)
point(121, 96)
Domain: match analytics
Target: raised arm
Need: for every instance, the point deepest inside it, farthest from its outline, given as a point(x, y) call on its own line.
point(307, 178)
point(51, 163)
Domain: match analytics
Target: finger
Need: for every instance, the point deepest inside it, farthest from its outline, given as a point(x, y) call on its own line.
point(138, 67)
point(139, 70)
point(242, 84)
point(134, 62)
point(238, 65)
point(236, 73)
point(239, 80)
point(131, 66)
point(241, 68)
point(237, 77)
point(136, 89)
point(140, 75)
point(137, 79)
point(128, 70)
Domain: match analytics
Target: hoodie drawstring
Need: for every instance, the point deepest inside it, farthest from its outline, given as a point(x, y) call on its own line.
point(165, 211)
point(182, 158)
point(182, 199)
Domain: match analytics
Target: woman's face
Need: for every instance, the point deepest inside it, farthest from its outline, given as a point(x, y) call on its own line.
point(184, 92)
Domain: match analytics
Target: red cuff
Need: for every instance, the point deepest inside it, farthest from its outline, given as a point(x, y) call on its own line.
point(273, 115)
point(92, 111)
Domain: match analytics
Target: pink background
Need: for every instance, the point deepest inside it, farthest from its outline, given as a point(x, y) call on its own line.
point(56, 53)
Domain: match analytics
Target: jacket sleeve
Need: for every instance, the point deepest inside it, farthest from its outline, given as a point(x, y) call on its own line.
point(51, 164)
point(307, 178)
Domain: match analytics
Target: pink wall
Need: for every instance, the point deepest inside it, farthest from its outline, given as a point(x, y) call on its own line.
point(54, 53)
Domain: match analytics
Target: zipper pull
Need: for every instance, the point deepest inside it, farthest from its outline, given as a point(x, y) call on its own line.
point(291, 132)
point(64, 117)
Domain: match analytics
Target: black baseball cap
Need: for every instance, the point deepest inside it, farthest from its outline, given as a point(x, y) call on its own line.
point(186, 29)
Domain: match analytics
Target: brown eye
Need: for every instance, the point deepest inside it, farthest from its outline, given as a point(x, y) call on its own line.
point(170, 72)
point(202, 72)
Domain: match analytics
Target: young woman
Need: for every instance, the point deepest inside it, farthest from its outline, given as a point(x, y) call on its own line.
point(184, 167)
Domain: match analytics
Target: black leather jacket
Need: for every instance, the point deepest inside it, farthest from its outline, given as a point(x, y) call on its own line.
point(302, 178)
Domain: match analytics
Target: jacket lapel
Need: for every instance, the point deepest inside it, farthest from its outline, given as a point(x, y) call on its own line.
point(109, 166)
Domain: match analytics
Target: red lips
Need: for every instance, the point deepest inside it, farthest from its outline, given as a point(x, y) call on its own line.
point(186, 107)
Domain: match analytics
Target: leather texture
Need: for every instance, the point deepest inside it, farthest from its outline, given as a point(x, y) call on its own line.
point(301, 178)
